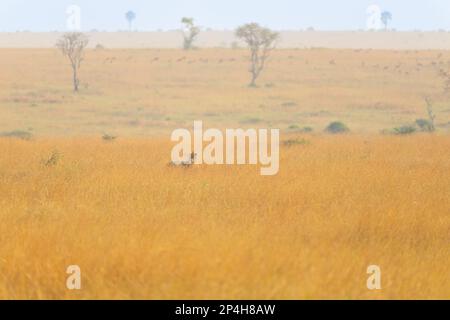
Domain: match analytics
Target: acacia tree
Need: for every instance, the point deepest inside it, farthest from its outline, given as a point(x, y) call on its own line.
point(130, 16)
point(190, 32)
point(386, 16)
point(261, 41)
point(72, 45)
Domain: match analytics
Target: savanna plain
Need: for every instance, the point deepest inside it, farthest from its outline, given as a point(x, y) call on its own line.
point(84, 178)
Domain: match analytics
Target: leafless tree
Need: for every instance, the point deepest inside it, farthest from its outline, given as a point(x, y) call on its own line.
point(431, 115)
point(261, 41)
point(445, 75)
point(72, 45)
point(190, 32)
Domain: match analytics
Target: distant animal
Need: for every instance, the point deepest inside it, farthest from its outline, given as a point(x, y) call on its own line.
point(185, 164)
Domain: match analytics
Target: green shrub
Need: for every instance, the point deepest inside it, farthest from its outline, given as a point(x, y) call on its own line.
point(337, 127)
point(297, 128)
point(403, 130)
point(425, 125)
point(19, 134)
point(295, 142)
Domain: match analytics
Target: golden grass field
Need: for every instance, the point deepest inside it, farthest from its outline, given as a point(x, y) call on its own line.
point(140, 229)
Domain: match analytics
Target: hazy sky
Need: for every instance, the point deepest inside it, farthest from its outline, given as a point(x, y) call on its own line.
point(48, 15)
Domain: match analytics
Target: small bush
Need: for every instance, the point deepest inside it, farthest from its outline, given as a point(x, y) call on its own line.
point(19, 134)
point(425, 125)
point(108, 137)
point(403, 130)
point(251, 120)
point(337, 127)
point(295, 142)
point(297, 128)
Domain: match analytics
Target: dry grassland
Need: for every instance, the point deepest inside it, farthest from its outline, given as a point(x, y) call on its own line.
point(146, 92)
point(139, 229)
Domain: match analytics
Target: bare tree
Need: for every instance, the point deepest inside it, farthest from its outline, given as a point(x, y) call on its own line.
point(445, 75)
point(190, 32)
point(431, 115)
point(72, 45)
point(261, 41)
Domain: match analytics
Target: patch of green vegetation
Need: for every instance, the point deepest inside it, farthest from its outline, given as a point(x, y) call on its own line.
point(337, 127)
point(295, 142)
point(297, 128)
point(19, 134)
point(250, 120)
point(425, 125)
point(403, 130)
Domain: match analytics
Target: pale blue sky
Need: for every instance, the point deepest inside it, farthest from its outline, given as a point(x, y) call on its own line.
point(48, 15)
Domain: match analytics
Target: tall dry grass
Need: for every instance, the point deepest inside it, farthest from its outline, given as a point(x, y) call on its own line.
point(139, 229)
